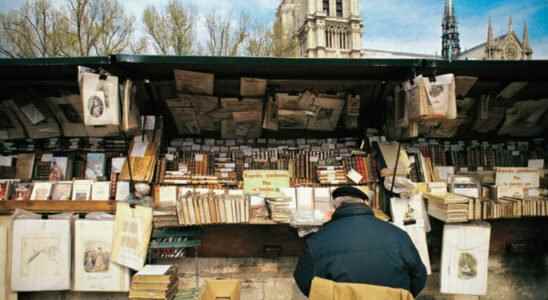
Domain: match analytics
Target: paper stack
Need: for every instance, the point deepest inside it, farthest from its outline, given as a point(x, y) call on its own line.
point(154, 282)
point(280, 209)
point(449, 208)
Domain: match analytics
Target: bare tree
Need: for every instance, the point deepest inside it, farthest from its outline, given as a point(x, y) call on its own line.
point(259, 41)
point(282, 45)
point(35, 30)
point(225, 37)
point(99, 27)
point(170, 28)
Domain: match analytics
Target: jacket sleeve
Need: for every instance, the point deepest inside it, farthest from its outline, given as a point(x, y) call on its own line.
point(304, 273)
point(415, 267)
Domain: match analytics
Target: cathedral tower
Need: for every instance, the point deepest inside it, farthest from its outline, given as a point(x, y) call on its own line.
point(323, 28)
point(450, 32)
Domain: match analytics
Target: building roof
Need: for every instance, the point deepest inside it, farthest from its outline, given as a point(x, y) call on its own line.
point(482, 45)
point(407, 54)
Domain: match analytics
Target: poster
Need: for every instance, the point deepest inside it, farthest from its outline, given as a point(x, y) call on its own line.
point(41, 255)
point(265, 182)
point(132, 230)
point(93, 268)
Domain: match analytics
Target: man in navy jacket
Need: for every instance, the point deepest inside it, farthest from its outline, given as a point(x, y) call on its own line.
point(356, 247)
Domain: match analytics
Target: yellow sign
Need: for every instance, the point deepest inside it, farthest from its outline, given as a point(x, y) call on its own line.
point(265, 182)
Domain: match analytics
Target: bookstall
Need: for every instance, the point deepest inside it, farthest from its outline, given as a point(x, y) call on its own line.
point(134, 165)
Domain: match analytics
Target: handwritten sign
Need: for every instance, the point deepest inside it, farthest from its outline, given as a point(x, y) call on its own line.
point(265, 182)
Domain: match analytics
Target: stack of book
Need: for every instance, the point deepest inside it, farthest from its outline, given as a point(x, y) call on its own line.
point(280, 209)
point(196, 208)
point(449, 208)
point(331, 172)
point(166, 217)
point(154, 282)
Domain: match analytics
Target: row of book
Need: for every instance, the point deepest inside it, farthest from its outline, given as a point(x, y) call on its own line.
point(211, 208)
point(472, 155)
point(91, 144)
point(76, 190)
point(55, 167)
point(452, 208)
point(225, 165)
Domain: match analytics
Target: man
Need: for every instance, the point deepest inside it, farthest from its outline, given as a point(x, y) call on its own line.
point(356, 247)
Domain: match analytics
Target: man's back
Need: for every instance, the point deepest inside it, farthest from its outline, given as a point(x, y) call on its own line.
point(356, 247)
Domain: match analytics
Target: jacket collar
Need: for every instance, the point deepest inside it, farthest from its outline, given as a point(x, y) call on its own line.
point(354, 209)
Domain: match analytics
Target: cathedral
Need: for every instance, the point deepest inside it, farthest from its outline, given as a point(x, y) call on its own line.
point(334, 28)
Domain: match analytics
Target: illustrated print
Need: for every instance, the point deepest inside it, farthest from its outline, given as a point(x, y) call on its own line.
point(96, 105)
point(96, 257)
point(41, 255)
point(468, 266)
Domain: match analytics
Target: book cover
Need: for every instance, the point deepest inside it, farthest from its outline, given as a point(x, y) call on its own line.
point(22, 191)
point(100, 191)
point(81, 190)
point(61, 191)
point(41, 191)
point(95, 166)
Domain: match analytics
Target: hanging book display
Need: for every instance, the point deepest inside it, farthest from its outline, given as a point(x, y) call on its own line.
point(69, 116)
point(94, 270)
point(10, 127)
point(41, 259)
point(38, 121)
point(132, 230)
point(100, 102)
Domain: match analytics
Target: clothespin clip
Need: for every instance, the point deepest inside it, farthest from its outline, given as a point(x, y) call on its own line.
point(434, 72)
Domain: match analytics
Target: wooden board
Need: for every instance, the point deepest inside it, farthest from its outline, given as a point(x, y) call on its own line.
point(58, 206)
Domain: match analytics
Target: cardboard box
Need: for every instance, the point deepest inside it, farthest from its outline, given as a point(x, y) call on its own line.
point(221, 290)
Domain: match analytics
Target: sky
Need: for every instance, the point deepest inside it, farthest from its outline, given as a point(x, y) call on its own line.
point(397, 25)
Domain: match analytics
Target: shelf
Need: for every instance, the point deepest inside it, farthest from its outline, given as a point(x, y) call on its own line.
point(59, 206)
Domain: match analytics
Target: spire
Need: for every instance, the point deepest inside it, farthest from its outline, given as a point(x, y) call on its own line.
point(525, 36)
point(510, 29)
point(490, 35)
point(450, 36)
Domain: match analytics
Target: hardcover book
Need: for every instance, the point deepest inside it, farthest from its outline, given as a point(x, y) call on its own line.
point(81, 190)
point(62, 191)
point(41, 191)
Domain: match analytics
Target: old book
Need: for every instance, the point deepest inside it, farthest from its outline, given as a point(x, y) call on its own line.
point(167, 196)
point(132, 232)
point(252, 87)
point(10, 126)
point(123, 191)
point(95, 166)
point(155, 274)
point(61, 191)
point(41, 255)
point(194, 82)
point(292, 119)
point(41, 191)
point(58, 170)
point(326, 113)
point(70, 118)
point(157, 286)
point(25, 166)
point(38, 121)
point(93, 267)
point(100, 191)
point(81, 190)
point(6, 292)
point(288, 102)
point(271, 121)
point(465, 256)
point(352, 111)
point(130, 110)
point(21, 191)
point(100, 102)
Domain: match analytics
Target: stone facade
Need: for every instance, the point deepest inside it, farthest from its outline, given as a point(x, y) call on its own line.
point(323, 28)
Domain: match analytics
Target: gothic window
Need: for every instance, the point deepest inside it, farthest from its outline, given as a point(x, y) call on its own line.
point(339, 8)
point(326, 7)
